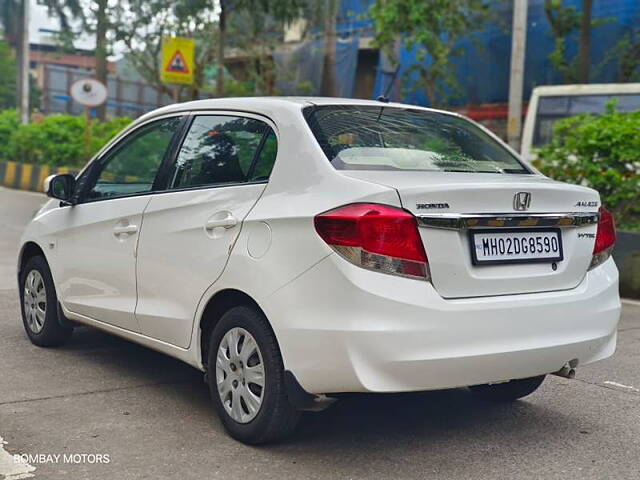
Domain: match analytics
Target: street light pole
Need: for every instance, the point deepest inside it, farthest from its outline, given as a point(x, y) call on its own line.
point(516, 79)
point(22, 90)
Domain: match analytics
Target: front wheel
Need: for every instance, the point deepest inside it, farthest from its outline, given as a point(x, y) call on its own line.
point(246, 378)
point(508, 391)
point(39, 305)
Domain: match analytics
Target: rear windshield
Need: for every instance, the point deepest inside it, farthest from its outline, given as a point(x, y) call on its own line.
point(391, 138)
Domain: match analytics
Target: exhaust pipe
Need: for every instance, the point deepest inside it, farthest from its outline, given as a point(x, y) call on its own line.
point(567, 372)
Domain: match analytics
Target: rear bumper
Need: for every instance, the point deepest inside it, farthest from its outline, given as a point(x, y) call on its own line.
point(346, 329)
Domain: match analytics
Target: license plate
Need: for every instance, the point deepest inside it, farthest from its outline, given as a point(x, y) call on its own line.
point(495, 246)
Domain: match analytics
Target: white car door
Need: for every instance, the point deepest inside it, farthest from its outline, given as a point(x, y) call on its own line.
point(98, 236)
point(220, 172)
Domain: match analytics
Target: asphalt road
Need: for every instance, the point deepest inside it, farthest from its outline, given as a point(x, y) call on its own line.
point(151, 414)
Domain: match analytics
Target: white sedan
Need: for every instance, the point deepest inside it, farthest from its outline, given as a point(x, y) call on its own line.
point(294, 248)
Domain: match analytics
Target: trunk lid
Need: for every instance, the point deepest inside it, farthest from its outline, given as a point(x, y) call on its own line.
point(452, 194)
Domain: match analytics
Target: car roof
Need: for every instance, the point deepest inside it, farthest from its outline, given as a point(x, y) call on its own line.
point(267, 105)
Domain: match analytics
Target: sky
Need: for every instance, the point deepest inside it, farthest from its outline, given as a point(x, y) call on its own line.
point(39, 18)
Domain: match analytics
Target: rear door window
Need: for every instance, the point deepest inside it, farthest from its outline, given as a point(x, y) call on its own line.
point(219, 150)
point(390, 138)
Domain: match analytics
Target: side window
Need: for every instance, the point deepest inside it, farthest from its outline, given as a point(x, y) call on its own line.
point(266, 158)
point(133, 166)
point(217, 150)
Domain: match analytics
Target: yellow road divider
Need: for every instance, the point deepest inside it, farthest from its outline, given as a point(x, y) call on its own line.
point(27, 177)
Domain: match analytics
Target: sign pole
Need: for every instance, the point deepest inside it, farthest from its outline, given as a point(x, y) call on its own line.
point(90, 93)
point(87, 134)
point(516, 79)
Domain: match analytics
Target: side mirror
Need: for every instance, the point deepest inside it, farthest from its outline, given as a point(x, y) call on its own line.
point(60, 186)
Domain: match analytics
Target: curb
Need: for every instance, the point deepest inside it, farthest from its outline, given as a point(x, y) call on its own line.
point(24, 176)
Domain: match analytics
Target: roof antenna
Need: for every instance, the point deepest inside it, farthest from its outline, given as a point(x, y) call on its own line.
point(385, 96)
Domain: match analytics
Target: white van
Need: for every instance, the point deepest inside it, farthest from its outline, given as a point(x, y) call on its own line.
point(549, 104)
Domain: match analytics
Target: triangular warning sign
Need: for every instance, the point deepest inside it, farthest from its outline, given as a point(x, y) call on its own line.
point(177, 64)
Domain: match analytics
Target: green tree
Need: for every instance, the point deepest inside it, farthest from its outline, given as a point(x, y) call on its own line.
point(279, 10)
point(95, 18)
point(8, 80)
point(626, 52)
point(564, 22)
point(244, 24)
point(8, 14)
point(142, 25)
point(7, 76)
point(433, 28)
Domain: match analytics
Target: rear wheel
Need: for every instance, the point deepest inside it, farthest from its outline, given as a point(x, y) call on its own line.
point(508, 391)
point(246, 378)
point(39, 305)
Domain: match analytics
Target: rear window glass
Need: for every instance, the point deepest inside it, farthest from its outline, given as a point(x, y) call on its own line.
point(391, 138)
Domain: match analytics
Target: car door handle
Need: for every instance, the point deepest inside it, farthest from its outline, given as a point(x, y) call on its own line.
point(125, 230)
point(227, 221)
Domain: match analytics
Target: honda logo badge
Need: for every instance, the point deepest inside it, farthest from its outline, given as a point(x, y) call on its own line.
point(521, 201)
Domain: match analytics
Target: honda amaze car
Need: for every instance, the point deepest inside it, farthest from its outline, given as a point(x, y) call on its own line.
point(293, 249)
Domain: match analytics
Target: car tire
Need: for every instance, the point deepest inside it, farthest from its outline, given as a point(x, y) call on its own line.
point(251, 413)
point(508, 391)
point(39, 305)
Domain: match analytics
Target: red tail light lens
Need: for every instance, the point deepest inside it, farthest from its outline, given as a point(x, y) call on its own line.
point(377, 237)
point(605, 238)
point(606, 234)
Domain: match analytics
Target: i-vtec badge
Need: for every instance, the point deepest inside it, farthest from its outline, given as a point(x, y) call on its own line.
point(583, 203)
point(428, 206)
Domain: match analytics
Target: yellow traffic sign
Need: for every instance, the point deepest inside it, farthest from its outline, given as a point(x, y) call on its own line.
point(177, 60)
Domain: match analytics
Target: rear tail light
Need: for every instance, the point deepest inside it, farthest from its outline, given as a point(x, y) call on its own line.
point(376, 237)
point(605, 238)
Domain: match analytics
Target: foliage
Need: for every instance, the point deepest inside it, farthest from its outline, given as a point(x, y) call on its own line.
point(8, 124)
point(7, 77)
point(565, 21)
point(8, 13)
point(256, 34)
point(600, 152)
point(8, 80)
point(70, 14)
point(626, 52)
point(142, 25)
point(433, 28)
point(262, 13)
point(57, 140)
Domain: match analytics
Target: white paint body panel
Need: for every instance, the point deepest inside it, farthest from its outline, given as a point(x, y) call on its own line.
point(179, 258)
point(340, 328)
point(95, 268)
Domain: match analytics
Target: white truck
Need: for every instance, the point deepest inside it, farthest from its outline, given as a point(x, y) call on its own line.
point(549, 104)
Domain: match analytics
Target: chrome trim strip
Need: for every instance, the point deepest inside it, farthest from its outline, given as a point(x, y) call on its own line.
point(463, 221)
